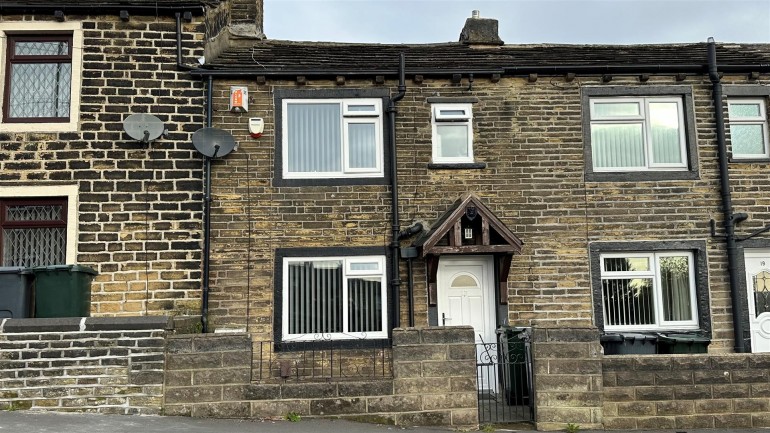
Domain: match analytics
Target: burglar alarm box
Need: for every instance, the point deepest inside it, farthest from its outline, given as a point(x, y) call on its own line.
point(239, 99)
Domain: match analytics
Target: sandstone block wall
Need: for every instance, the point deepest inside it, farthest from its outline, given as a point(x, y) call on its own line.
point(139, 206)
point(567, 366)
point(686, 391)
point(104, 365)
point(434, 382)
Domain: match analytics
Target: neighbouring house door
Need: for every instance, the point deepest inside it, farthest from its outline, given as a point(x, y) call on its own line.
point(758, 285)
point(465, 295)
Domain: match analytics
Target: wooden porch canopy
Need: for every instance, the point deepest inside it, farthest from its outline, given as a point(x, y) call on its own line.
point(469, 227)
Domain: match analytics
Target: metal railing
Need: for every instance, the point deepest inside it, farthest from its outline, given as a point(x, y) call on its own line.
point(338, 360)
point(504, 375)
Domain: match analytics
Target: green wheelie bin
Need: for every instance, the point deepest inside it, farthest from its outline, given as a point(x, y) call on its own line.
point(63, 290)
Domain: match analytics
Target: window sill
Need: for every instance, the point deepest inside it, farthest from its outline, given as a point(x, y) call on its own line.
point(749, 160)
point(640, 176)
point(458, 166)
point(299, 346)
point(39, 127)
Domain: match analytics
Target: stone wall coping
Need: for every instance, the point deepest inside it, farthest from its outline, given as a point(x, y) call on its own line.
point(84, 324)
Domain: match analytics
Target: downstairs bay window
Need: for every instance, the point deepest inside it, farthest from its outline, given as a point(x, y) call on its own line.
point(333, 298)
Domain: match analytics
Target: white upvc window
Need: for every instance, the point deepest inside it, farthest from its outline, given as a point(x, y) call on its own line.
point(41, 69)
point(748, 128)
point(335, 298)
point(638, 134)
point(452, 133)
point(649, 291)
point(332, 138)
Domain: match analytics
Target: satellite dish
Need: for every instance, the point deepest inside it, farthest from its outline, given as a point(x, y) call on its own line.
point(213, 142)
point(143, 127)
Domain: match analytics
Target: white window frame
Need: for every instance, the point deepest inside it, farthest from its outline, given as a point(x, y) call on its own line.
point(760, 120)
point(438, 119)
point(654, 274)
point(348, 273)
point(39, 27)
point(347, 117)
point(68, 191)
point(641, 119)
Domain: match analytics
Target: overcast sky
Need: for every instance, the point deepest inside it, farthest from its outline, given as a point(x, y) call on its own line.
point(520, 21)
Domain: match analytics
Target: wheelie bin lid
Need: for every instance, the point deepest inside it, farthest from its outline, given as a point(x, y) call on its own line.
point(14, 270)
point(683, 338)
point(64, 268)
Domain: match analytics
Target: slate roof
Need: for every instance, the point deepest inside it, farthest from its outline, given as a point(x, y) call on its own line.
point(8, 6)
point(276, 55)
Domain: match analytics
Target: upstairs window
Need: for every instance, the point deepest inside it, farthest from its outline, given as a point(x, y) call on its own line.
point(452, 133)
point(648, 291)
point(38, 79)
point(338, 298)
point(748, 129)
point(332, 138)
point(33, 231)
point(637, 134)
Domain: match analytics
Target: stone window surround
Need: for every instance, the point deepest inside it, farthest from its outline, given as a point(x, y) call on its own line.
point(68, 191)
point(691, 145)
point(281, 94)
point(746, 91)
point(281, 253)
point(76, 29)
point(697, 247)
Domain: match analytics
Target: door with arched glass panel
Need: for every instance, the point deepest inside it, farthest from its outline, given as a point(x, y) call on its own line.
point(466, 297)
point(758, 285)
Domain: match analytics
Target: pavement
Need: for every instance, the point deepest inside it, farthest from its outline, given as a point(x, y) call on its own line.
point(53, 422)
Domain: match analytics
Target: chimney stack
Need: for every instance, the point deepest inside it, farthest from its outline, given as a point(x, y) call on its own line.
point(246, 18)
point(480, 31)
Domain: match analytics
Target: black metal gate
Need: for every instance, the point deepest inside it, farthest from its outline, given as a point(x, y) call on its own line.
point(504, 376)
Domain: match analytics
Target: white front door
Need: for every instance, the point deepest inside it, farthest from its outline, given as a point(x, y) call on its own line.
point(758, 286)
point(465, 289)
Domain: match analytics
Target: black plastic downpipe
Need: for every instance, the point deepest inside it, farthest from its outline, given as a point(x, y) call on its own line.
point(395, 281)
point(207, 215)
point(727, 204)
point(179, 65)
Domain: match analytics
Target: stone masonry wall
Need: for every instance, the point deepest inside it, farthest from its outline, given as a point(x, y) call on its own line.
point(686, 391)
point(139, 206)
point(529, 135)
point(104, 365)
point(434, 382)
point(567, 367)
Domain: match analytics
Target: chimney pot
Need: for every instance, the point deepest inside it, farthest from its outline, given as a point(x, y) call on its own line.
point(475, 14)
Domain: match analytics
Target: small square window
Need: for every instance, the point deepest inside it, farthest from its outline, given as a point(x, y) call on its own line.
point(332, 138)
point(452, 133)
point(41, 65)
point(38, 79)
point(748, 129)
point(337, 298)
point(638, 134)
point(33, 231)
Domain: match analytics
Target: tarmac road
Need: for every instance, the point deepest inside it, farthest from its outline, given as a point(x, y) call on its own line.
point(51, 422)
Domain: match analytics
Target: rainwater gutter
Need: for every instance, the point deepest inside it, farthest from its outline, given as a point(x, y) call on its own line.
point(730, 218)
point(631, 69)
point(395, 281)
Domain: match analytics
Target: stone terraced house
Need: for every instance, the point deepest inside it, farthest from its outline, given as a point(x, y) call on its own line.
point(392, 217)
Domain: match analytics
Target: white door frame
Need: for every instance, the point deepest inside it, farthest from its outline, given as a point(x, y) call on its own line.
point(759, 327)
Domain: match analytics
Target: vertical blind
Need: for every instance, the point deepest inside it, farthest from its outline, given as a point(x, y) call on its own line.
point(316, 296)
point(314, 137)
point(631, 301)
